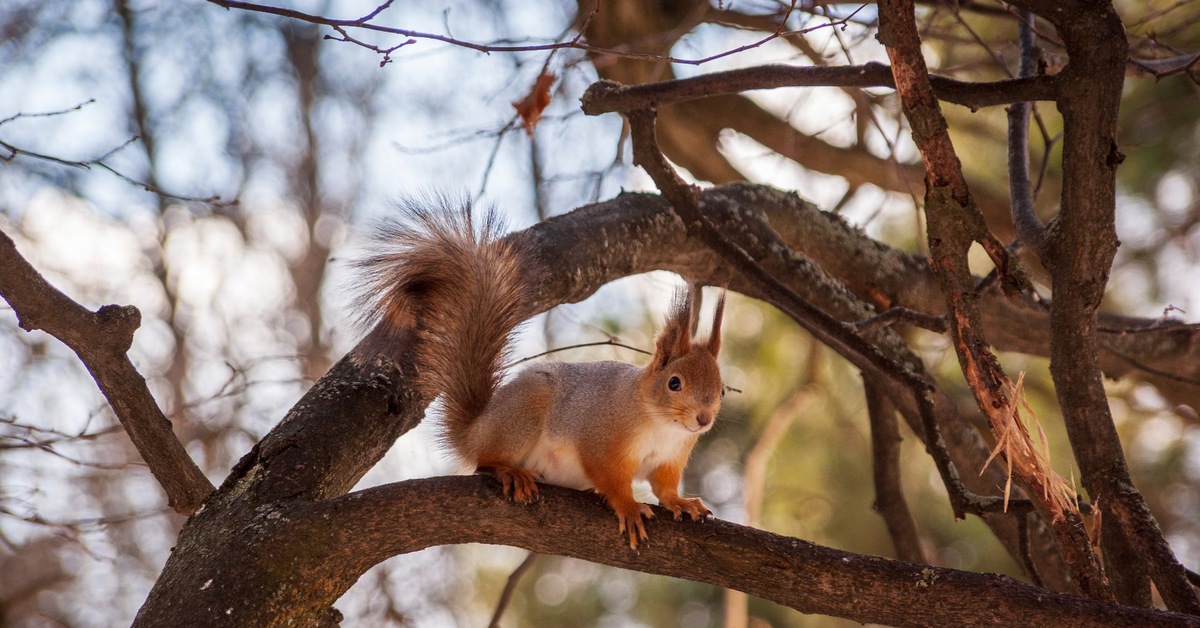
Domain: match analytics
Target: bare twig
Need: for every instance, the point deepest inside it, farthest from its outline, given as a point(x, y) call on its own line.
point(889, 494)
point(38, 437)
point(46, 114)
point(15, 151)
point(510, 587)
point(80, 523)
point(599, 343)
point(1024, 552)
point(1028, 226)
point(893, 315)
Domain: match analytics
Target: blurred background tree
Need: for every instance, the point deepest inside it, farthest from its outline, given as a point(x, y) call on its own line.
point(216, 167)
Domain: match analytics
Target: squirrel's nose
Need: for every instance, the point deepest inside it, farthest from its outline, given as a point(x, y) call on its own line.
point(704, 418)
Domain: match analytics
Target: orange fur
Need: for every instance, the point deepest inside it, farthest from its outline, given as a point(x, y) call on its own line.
point(665, 484)
point(611, 470)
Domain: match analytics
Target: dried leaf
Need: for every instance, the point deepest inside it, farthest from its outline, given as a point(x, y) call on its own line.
point(531, 107)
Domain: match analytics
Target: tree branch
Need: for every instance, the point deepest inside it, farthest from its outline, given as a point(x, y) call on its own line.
point(297, 544)
point(1028, 226)
point(342, 26)
point(885, 466)
point(754, 479)
point(101, 340)
point(610, 96)
point(510, 587)
point(802, 575)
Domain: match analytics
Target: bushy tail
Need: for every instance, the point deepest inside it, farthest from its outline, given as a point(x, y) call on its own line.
point(459, 290)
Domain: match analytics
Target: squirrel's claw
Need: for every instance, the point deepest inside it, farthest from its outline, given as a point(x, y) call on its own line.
point(692, 506)
point(631, 522)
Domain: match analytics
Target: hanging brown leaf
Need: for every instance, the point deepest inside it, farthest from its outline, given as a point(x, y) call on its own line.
point(530, 108)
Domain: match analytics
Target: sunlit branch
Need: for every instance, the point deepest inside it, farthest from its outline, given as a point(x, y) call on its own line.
point(606, 97)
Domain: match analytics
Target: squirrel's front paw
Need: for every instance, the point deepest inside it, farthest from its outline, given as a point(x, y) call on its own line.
point(629, 516)
point(679, 505)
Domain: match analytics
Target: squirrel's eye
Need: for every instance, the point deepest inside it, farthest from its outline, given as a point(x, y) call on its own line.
point(674, 383)
point(722, 392)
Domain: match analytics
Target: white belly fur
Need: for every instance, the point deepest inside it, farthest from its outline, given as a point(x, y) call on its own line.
point(558, 463)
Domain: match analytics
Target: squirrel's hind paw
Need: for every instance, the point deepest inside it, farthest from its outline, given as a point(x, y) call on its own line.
point(519, 484)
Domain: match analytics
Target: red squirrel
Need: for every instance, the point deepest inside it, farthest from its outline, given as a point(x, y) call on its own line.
point(590, 425)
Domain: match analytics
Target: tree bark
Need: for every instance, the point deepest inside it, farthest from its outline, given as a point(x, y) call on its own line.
point(285, 563)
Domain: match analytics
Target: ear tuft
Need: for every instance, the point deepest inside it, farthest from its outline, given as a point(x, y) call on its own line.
point(714, 337)
point(675, 339)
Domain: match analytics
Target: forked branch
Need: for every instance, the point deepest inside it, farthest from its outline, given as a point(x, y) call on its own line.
point(101, 340)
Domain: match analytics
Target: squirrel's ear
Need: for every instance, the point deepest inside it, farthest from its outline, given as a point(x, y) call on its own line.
point(714, 337)
point(675, 339)
point(664, 347)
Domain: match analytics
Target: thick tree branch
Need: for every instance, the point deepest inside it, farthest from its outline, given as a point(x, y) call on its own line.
point(101, 340)
point(1166, 355)
point(1127, 573)
point(610, 96)
point(690, 131)
point(793, 572)
point(339, 430)
point(315, 550)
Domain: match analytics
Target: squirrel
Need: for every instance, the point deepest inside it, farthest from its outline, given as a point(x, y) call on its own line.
point(460, 289)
